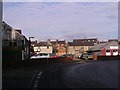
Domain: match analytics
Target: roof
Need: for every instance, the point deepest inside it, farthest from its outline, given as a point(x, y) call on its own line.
point(104, 46)
point(61, 42)
point(80, 44)
point(87, 40)
point(113, 40)
point(42, 44)
point(33, 42)
point(83, 42)
point(53, 42)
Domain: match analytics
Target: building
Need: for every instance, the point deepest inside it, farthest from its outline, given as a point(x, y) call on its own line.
point(59, 47)
point(15, 46)
point(42, 47)
point(110, 48)
point(33, 43)
point(79, 46)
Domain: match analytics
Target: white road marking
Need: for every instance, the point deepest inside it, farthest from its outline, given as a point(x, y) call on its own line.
point(36, 82)
point(31, 80)
point(35, 86)
point(38, 77)
point(39, 74)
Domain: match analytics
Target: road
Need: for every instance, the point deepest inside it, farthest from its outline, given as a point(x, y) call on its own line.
point(98, 74)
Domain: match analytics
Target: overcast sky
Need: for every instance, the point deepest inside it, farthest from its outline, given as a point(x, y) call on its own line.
point(60, 20)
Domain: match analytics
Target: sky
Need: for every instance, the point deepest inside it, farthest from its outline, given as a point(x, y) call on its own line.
point(63, 20)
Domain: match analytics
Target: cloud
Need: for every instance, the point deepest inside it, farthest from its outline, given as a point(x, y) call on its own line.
point(46, 20)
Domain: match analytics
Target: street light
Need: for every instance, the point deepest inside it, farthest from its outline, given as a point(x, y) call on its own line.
point(30, 38)
point(30, 45)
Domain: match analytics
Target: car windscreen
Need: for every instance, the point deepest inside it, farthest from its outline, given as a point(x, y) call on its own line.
point(44, 54)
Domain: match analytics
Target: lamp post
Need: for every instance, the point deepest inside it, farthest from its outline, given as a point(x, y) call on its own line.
point(30, 45)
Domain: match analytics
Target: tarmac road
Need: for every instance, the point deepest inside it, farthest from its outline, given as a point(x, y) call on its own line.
point(99, 74)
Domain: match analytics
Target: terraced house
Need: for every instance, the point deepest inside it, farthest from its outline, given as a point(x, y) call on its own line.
point(42, 47)
point(59, 46)
point(79, 46)
point(15, 46)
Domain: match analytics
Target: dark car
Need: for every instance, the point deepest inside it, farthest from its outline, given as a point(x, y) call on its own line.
point(67, 55)
point(87, 56)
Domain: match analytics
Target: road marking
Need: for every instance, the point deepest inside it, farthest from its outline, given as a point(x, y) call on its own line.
point(35, 86)
point(31, 80)
point(38, 77)
point(40, 72)
point(37, 80)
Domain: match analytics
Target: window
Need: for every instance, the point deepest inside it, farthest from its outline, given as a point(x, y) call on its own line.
point(115, 50)
point(107, 50)
point(44, 54)
point(47, 47)
point(14, 43)
point(10, 43)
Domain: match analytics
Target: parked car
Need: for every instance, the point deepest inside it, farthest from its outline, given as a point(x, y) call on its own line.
point(32, 53)
point(41, 55)
point(67, 55)
point(80, 56)
point(86, 56)
point(53, 55)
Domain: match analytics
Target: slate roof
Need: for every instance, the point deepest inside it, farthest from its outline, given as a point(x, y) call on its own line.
point(60, 42)
point(86, 40)
point(42, 44)
point(33, 42)
point(53, 42)
point(81, 43)
point(104, 46)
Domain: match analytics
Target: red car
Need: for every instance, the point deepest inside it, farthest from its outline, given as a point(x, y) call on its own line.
point(54, 56)
point(32, 54)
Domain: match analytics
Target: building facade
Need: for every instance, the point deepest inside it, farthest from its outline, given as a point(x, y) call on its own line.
point(42, 47)
point(79, 46)
point(110, 48)
point(59, 47)
point(15, 46)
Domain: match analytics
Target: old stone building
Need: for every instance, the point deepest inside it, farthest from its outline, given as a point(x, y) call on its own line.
point(59, 46)
point(79, 46)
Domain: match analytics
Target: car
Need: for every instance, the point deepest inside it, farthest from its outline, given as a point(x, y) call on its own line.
point(67, 55)
point(40, 55)
point(53, 55)
point(33, 53)
point(86, 56)
point(80, 56)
